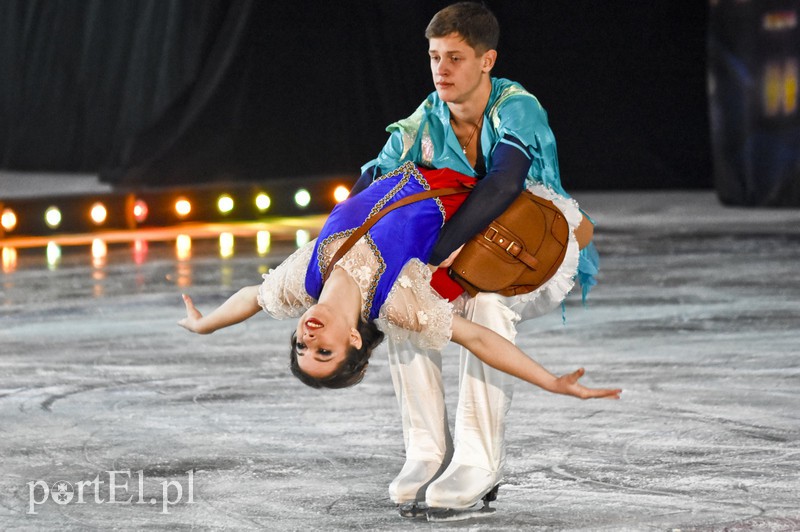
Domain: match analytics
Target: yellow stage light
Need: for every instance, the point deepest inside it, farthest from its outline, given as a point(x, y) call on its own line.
point(302, 198)
point(183, 207)
point(98, 213)
point(341, 193)
point(225, 204)
point(8, 220)
point(263, 202)
point(52, 217)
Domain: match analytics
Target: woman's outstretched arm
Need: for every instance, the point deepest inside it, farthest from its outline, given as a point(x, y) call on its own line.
point(502, 355)
point(240, 306)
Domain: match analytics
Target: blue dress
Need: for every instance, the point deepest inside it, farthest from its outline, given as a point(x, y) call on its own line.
point(403, 234)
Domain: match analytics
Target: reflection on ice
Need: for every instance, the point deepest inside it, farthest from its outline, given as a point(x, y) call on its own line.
point(53, 255)
point(302, 237)
point(9, 260)
point(99, 253)
point(263, 241)
point(140, 248)
point(183, 247)
point(226, 244)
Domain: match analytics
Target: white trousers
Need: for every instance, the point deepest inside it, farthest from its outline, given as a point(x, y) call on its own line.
point(417, 379)
point(456, 474)
point(484, 397)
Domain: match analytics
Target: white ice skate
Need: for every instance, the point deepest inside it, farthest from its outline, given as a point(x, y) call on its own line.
point(479, 509)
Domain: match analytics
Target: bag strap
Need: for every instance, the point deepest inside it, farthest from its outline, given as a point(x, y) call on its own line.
point(500, 237)
point(369, 222)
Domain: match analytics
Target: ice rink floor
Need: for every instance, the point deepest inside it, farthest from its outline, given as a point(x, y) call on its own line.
point(114, 418)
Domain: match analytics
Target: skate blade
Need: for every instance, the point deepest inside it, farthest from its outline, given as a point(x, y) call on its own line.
point(439, 515)
point(411, 510)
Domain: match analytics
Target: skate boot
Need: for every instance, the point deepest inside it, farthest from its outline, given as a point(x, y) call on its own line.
point(408, 487)
point(470, 481)
point(417, 379)
point(479, 509)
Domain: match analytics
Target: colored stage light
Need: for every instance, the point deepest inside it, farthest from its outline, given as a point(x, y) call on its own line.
point(302, 198)
point(263, 242)
point(226, 242)
point(263, 202)
point(183, 207)
point(140, 211)
point(225, 204)
point(790, 83)
point(98, 213)
point(8, 220)
point(52, 217)
point(341, 193)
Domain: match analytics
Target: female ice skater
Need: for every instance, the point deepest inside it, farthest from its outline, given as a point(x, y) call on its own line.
point(382, 280)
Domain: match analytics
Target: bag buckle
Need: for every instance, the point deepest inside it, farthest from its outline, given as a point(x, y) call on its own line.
point(494, 234)
point(511, 245)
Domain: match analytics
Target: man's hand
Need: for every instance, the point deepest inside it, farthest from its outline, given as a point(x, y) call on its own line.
point(446, 263)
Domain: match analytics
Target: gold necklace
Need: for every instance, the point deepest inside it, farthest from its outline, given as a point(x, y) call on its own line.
point(472, 134)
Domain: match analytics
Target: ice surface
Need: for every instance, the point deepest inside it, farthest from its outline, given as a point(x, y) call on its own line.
point(696, 316)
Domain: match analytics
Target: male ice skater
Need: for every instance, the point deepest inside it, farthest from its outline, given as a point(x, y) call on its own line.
point(496, 131)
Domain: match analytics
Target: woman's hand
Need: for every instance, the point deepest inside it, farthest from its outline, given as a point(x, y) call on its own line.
point(240, 306)
point(193, 319)
point(498, 352)
point(568, 385)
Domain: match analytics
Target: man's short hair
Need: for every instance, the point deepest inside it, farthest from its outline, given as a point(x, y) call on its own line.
point(473, 21)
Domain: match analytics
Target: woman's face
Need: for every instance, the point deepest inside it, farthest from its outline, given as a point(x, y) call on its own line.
point(323, 337)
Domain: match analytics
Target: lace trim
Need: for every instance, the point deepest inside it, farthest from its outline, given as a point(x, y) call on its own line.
point(413, 310)
point(282, 293)
point(409, 170)
point(363, 262)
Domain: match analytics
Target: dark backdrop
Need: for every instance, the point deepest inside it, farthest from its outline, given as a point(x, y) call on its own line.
point(155, 92)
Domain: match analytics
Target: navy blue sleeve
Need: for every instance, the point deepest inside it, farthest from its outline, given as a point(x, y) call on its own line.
point(365, 180)
point(491, 196)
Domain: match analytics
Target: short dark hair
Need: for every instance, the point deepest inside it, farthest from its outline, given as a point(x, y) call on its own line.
point(473, 21)
point(352, 369)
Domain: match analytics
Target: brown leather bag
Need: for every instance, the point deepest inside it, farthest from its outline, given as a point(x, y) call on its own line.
point(519, 251)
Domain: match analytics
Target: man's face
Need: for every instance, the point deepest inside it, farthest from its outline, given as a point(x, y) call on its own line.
point(456, 67)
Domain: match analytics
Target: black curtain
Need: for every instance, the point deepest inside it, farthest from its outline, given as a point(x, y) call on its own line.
point(754, 73)
point(154, 92)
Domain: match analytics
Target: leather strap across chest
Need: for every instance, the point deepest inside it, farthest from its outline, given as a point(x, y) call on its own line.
point(369, 222)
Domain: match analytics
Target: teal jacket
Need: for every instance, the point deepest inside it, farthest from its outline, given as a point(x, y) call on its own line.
point(426, 138)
